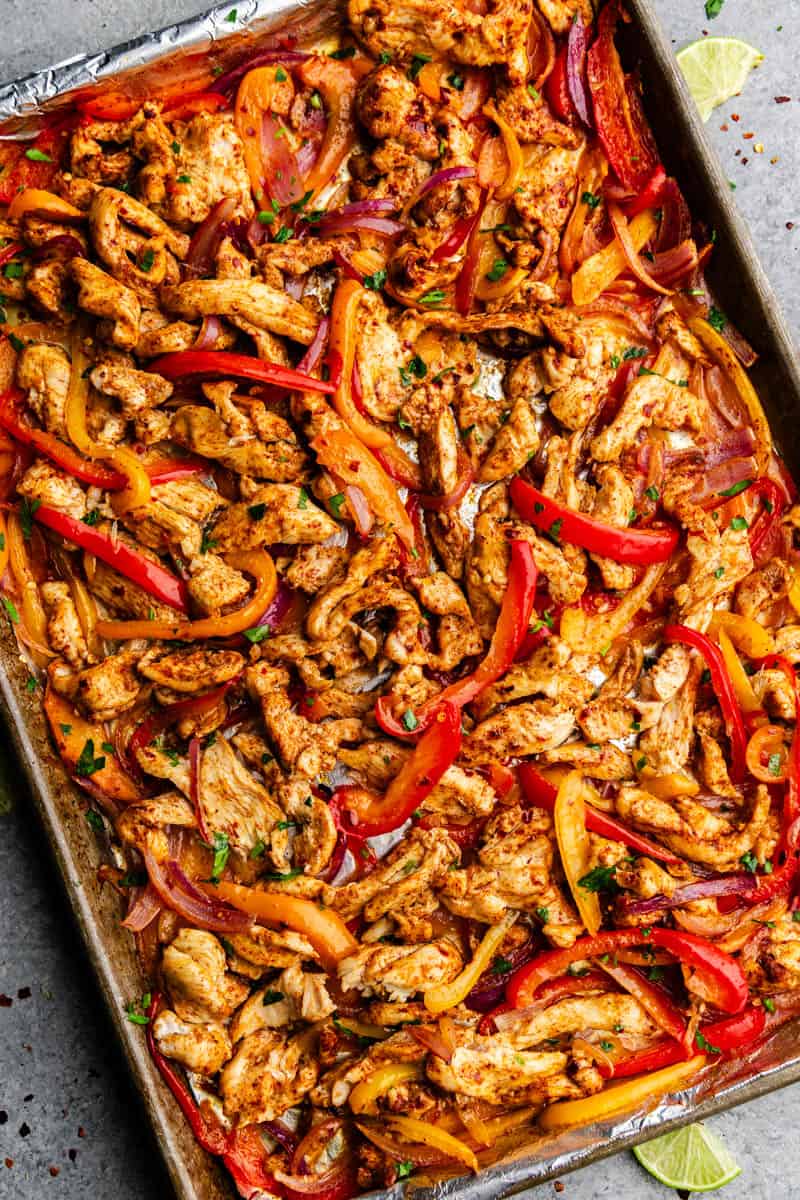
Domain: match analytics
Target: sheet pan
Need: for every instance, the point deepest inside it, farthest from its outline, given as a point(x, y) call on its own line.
point(742, 290)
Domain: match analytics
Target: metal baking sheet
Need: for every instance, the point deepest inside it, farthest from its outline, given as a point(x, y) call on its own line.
point(743, 291)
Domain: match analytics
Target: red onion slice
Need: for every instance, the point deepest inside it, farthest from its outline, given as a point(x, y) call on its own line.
point(314, 352)
point(179, 894)
point(145, 908)
point(577, 46)
point(725, 885)
point(207, 237)
point(261, 59)
point(351, 223)
point(210, 330)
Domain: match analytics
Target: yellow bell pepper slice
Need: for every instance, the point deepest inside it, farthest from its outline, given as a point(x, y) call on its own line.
point(600, 270)
point(746, 634)
point(742, 686)
point(365, 1093)
point(574, 846)
point(593, 634)
point(415, 1130)
point(619, 1097)
point(794, 593)
point(667, 787)
point(448, 995)
point(725, 358)
point(124, 460)
point(516, 162)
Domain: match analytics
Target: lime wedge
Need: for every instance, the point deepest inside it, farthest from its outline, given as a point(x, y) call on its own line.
point(715, 69)
point(692, 1159)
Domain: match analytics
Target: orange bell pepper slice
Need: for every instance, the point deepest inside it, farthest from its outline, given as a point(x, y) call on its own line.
point(256, 562)
point(342, 350)
point(343, 453)
point(72, 734)
point(324, 928)
point(38, 202)
point(337, 82)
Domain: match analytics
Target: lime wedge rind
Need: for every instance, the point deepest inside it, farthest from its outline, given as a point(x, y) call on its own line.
point(716, 69)
point(692, 1159)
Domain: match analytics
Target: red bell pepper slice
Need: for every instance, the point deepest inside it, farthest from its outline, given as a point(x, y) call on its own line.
point(556, 88)
point(149, 575)
point(773, 503)
point(10, 251)
point(723, 687)
point(70, 461)
point(467, 279)
point(454, 240)
point(192, 706)
point(621, 125)
point(650, 195)
point(20, 172)
point(542, 794)
point(214, 364)
point(512, 625)
point(733, 1033)
point(722, 974)
point(418, 776)
point(209, 1133)
point(640, 546)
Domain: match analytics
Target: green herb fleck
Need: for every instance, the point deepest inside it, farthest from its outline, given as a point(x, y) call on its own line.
point(736, 488)
point(716, 319)
point(739, 523)
point(633, 352)
point(417, 63)
point(652, 493)
point(135, 1011)
point(543, 914)
point(87, 764)
point(259, 634)
point(376, 280)
point(148, 258)
point(94, 820)
point(37, 155)
point(704, 1044)
point(590, 199)
point(599, 879)
point(409, 721)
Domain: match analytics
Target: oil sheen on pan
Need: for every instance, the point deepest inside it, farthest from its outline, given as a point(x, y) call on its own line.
point(398, 545)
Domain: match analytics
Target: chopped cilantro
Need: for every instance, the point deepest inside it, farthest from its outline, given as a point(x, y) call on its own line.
point(735, 488)
point(599, 879)
point(284, 234)
point(302, 498)
point(404, 1169)
point(27, 511)
point(417, 63)
point(716, 319)
point(543, 914)
point(591, 199)
point(456, 81)
point(739, 523)
point(148, 258)
point(774, 764)
point(256, 511)
point(207, 543)
point(345, 52)
point(417, 368)
point(37, 155)
point(499, 268)
point(749, 861)
point(94, 820)
point(266, 218)
point(231, 17)
point(184, 179)
point(258, 849)
point(135, 1011)
point(93, 517)
point(336, 502)
point(280, 75)
point(259, 634)
point(434, 296)
point(87, 764)
point(11, 610)
point(376, 280)
point(13, 270)
point(409, 721)
point(652, 493)
point(271, 996)
point(634, 352)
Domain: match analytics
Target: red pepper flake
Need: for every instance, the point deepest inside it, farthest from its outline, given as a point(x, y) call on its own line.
point(745, 161)
point(735, 117)
point(54, 1171)
point(5, 1001)
point(748, 136)
point(725, 127)
point(782, 99)
point(9, 1163)
point(81, 1132)
point(790, 224)
point(27, 1099)
point(558, 1186)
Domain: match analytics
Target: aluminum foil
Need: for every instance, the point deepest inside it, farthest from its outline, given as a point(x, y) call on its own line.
point(147, 62)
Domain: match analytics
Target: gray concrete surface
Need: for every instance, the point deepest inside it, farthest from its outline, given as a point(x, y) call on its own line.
point(70, 1123)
